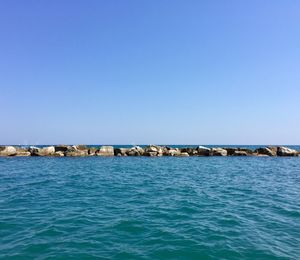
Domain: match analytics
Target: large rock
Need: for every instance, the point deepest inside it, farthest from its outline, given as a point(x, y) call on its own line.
point(77, 150)
point(273, 149)
point(230, 150)
point(34, 150)
point(153, 150)
point(61, 148)
point(59, 154)
point(81, 147)
point(266, 151)
point(284, 151)
point(189, 150)
point(235, 151)
point(92, 151)
point(76, 153)
point(167, 151)
point(7, 151)
point(151, 154)
point(218, 152)
point(45, 151)
point(121, 151)
point(22, 152)
point(105, 151)
point(203, 151)
point(135, 151)
point(246, 150)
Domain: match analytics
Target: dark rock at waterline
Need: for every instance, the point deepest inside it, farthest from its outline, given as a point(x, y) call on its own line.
point(151, 154)
point(240, 153)
point(230, 150)
point(189, 150)
point(92, 151)
point(120, 151)
point(246, 150)
point(61, 148)
point(203, 151)
point(266, 151)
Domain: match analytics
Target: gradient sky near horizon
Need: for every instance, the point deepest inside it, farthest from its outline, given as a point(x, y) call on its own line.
point(141, 72)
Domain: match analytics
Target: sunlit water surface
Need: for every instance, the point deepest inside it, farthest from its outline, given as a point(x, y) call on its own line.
point(150, 208)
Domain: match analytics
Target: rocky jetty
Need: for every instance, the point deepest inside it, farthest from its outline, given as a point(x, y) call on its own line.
point(150, 151)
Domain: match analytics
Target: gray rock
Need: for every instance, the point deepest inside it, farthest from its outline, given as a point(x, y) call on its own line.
point(284, 151)
point(105, 151)
point(59, 154)
point(189, 150)
point(231, 150)
point(273, 149)
point(76, 153)
point(34, 150)
point(150, 153)
point(135, 151)
point(153, 150)
point(7, 151)
point(172, 152)
point(92, 151)
point(61, 148)
point(240, 153)
point(248, 151)
point(265, 151)
point(22, 152)
point(203, 151)
point(121, 151)
point(218, 152)
point(45, 151)
point(81, 147)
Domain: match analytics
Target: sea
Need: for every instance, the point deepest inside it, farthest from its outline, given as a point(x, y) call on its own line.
point(150, 207)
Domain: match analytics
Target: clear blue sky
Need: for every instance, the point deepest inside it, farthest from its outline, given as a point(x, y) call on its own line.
point(167, 71)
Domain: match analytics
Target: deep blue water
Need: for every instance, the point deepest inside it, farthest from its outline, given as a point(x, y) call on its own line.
point(150, 208)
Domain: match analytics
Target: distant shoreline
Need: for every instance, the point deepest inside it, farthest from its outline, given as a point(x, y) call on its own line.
point(147, 150)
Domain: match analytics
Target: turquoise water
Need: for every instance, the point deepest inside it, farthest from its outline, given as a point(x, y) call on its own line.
point(150, 208)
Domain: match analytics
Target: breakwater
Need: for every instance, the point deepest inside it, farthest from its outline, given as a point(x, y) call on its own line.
point(150, 150)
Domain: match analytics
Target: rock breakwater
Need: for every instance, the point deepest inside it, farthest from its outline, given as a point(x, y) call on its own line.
point(150, 150)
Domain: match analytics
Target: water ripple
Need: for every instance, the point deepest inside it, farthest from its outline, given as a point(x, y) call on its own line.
point(150, 208)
